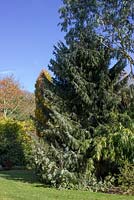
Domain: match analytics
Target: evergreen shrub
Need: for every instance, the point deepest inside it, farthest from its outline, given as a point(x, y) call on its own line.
point(15, 143)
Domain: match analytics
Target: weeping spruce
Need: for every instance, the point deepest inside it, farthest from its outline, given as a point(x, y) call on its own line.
point(82, 133)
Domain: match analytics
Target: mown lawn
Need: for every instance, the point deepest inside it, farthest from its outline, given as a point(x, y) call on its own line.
point(22, 185)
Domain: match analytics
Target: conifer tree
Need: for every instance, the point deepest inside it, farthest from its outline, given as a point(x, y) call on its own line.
point(77, 113)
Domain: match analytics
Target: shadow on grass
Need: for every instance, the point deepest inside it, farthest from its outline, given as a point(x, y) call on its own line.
point(26, 176)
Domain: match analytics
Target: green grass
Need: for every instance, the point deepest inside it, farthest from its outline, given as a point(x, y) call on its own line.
point(22, 185)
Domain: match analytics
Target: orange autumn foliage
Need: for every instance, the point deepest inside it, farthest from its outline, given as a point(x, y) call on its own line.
point(10, 96)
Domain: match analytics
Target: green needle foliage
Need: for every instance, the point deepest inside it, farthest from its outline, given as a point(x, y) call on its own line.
point(114, 26)
point(78, 118)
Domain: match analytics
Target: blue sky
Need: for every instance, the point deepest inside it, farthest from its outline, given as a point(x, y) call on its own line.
point(28, 31)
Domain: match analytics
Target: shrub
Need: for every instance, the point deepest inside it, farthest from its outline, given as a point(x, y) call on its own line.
point(15, 143)
point(126, 178)
point(47, 170)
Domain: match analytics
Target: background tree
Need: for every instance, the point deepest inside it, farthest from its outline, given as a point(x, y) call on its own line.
point(117, 28)
point(15, 102)
point(27, 106)
point(10, 95)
